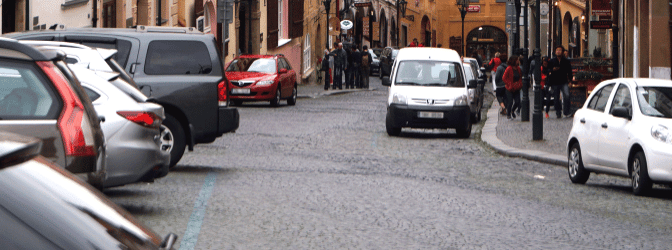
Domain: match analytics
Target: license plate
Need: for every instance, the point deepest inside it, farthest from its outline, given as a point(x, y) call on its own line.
point(432, 115)
point(240, 91)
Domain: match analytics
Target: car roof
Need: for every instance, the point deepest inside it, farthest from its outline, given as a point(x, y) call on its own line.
point(10, 48)
point(424, 53)
point(650, 82)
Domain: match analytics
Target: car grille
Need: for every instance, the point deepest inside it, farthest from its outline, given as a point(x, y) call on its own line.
point(242, 83)
point(429, 102)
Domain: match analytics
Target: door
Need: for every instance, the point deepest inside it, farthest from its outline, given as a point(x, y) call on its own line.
point(614, 133)
point(591, 120)
point(283, 78)
point(291, 78)
point(31, 106)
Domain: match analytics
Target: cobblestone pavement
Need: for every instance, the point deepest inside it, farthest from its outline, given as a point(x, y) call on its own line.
point(324, 175)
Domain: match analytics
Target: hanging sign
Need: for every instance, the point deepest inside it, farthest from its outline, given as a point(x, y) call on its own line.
point(346, 24)
point(600, 7)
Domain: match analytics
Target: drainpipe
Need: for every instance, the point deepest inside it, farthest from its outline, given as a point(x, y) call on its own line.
point(27, 15)
point(94, 20)
point(158, 11)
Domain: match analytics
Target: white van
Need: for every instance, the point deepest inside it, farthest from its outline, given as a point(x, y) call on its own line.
point(429, 89)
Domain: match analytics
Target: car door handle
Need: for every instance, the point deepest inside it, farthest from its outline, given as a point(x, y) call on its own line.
point(583, 120)
point(604, 125)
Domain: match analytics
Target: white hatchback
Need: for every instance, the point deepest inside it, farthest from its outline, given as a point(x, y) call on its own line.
point(624, 129)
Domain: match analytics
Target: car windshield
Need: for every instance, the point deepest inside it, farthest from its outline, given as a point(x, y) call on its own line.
point(263, 65)
point(429, 73)
point(394, 53)
point(655, 101)
point(469, 72)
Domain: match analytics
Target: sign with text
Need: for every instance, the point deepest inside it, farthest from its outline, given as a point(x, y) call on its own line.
point(600, 24)
point(376, 31)
point(365, 26)
point(363, 4)
point(600, 7)
point(474, 8)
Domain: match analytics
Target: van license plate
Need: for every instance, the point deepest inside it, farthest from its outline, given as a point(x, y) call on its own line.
point(240, 91)
point(432, 115)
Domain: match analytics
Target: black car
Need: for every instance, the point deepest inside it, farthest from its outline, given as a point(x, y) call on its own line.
point(179, 68)
point(387, 60)
point(43, 206)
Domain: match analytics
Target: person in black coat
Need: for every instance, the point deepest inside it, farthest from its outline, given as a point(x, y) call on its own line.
point(356, 58)
point(559, 75)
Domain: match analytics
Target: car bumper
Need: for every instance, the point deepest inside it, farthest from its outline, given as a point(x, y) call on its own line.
point(659, 163)
point(407, 116)
point(229, 120)
point(257, 93)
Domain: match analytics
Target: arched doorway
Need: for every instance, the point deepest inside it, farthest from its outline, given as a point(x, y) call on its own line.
point(566, 30)
point(426, 32)
point(359, 26)
point(393, 33)
point(383, 28)
point(486, 41)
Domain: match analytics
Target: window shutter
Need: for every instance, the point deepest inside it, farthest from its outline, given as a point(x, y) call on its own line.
point(272, 24)
point(295, 18)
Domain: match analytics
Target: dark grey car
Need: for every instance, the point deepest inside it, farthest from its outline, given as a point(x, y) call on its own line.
point(178, 68)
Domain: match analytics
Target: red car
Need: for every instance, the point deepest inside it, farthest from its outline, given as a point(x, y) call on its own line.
point(261, 78)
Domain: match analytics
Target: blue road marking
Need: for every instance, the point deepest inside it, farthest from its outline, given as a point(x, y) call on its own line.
point(196, 219)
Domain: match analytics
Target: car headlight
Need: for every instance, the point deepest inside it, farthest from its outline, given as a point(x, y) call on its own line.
point(661, 133)
point(264, 83)
point(399, 99)
point(461, 101)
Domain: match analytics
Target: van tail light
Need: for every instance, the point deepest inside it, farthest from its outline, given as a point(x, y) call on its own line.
point(145, 119)
point(73, 122)
point(222, 93)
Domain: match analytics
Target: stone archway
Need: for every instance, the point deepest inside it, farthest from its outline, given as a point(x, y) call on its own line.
point(566, 30)
point(486, 41)
point(383, 28)
point(359, 27)
point(393, 33)
point(426, 32)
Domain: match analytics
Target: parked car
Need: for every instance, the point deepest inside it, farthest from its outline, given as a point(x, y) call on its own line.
point(377, 51)
point(624, 129)
point(387, 58)
point(429, 89)
point(375, 63)
point(44, 207)
point(476, 94)
point(474, 65)
point(178, 68)
point(261, 78)
point(40, 97)
point(131, 130)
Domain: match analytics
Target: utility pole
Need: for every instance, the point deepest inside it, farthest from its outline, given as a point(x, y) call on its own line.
point(525, 109)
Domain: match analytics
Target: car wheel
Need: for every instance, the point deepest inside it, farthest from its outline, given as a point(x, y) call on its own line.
point(172, 139)
point(276, 101)
point(391, 130)
point(292, 100)
point(641, 183)
point(465, 131)
point(237, 102)
point(577, 174)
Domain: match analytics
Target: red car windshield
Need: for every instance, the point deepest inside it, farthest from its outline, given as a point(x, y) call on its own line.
point(263, 65)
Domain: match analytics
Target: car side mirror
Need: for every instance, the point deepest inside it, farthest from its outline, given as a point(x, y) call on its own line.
point(622, 113)
point(282, 71)
point(472, 84)
point(386, 81)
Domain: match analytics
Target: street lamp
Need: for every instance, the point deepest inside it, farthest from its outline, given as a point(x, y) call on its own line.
point(327, 7)
point(401, 12)
point(463, 5)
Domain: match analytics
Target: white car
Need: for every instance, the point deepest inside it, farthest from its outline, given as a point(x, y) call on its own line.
point(429, 89)
point(624, 129)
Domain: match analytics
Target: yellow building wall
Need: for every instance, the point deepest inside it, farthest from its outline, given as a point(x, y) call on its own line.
point(450, 21)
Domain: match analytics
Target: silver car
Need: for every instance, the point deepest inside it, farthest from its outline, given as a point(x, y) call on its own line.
point(131, 129)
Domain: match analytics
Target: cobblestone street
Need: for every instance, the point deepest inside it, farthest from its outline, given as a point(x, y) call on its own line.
point(325, 175)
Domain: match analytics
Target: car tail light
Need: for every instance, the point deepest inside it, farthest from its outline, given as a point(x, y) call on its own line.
point(222, 92)
point(146, 119)
point(73, 122)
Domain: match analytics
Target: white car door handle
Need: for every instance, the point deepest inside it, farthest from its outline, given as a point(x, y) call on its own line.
point(604, 125)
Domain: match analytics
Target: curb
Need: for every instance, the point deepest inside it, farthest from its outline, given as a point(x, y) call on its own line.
point(332, 92)
point(489, 136)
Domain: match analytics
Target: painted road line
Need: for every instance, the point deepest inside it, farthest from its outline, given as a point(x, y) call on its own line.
point(196, 219)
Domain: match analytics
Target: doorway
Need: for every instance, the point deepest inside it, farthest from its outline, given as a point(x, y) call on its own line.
point(8, 16)
point(109, 14)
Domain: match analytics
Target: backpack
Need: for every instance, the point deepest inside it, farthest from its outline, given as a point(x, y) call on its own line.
point(365, 60)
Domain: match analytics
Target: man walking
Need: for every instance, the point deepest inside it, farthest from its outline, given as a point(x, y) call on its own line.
point(340, 64)
point(355, 68)
point(366, 67)
point(560, 73)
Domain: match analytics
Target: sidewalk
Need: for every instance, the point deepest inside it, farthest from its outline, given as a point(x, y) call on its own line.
point(514, 138)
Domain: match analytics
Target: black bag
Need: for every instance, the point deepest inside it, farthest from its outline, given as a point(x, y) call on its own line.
point(325, 63)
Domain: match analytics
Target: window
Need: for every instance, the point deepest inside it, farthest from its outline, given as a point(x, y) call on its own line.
point(26, 94)
point(281, 34)
point(286, 63)
point(655, 101)
point(123, 47)
point(263, 65)
point(93, 95)
point(306, 53)
point(621, 99)
point(177, 58)
point(599, 101)
point(429, 73)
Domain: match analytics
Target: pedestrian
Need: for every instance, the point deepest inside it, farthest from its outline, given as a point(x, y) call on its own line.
point(414, 43)
point(560, 72)
point(494, 64)
point(348, 69)
point(366, 67)
point(354, 68)
point(340, 64)
point(500, 88)
point(513, 80)
point(327, 65)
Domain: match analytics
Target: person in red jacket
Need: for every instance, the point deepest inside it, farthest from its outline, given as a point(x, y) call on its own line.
point(414, 43)
point(494, 63)
point(513, 79)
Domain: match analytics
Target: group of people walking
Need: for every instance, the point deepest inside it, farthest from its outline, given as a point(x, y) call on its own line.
point(352, 64)
point(556, 74)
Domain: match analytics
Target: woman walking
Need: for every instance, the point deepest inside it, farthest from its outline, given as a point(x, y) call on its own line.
point(512, 79)
point(500, 87)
